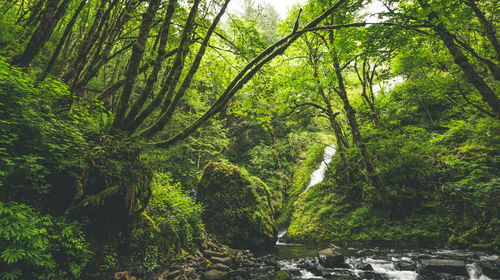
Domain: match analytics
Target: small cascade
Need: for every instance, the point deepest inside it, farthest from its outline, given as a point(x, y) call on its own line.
point(281, 233)
point(319, 174)
point(388, 269)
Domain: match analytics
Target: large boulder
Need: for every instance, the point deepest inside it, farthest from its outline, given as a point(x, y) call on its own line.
point(454, 267)
point(238, 208)
point(331, 257)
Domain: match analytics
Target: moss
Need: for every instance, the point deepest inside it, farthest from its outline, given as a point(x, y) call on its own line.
point(238, 208)
point(282, 275)
point(300, 181)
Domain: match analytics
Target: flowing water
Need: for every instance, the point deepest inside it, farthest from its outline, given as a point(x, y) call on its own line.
point(318, 174)
point(362, 261)
point(365, 262)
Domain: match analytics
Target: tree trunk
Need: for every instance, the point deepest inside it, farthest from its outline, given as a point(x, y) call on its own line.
point(489, 29)
point(175, 71)
point(153, 76)
point(134, 62)
point(461, 60)
point(66, 33)
point(356, 133)
point(42, 34)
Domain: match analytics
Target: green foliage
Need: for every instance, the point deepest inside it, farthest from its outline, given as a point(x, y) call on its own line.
point(11, 36)
point(302, 176)
point(37, 145)
point(171, 223)
point(39, 247)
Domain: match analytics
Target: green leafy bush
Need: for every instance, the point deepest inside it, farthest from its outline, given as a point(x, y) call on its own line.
point(171, 223)
point(33, 246)
point(39, 148)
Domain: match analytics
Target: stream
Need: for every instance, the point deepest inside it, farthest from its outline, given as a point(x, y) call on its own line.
point(368, 262)
point(362, 261)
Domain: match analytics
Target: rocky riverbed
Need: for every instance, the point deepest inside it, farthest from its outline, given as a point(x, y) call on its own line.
point(215, 261)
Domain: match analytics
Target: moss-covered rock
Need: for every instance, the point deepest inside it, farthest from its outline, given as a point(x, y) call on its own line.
point(238, 208)
point(282, 275)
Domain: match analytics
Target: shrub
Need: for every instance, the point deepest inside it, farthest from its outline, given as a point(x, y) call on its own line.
point(33, 246)
point(172, 222)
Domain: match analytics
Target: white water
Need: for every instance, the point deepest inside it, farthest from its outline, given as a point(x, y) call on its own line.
point(388, 269)
point(475, 272)
point(281, 234)
point(385, 86)
point(319, 174)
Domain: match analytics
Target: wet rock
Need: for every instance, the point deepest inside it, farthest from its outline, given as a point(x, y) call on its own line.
point(370, 275)
point(331, 257)
point(490, 269)
point(402, 265)
point(365, 266)
point(454, 267)
point(214, 275)
point(294, 271)
point(357, 264)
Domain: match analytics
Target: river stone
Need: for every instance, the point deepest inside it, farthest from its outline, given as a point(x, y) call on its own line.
point(402, 265)
point(282, 275)
point(455, 267)
point(331, 257)
point(490, 269)
point(238, 209)
point(214, 275)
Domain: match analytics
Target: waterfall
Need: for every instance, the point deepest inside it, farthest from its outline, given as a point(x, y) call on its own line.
point(319, 174)
point(316, 177)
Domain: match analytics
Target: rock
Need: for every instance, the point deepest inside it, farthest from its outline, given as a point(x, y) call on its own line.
point(455, 267)
point(226, 260)
point(211, 253)
point(173, 274)
point(282, 275)
point(214, 275)
point(365, 266)
point(221, 267)
point(490, 269)
point(294, 271)
point(238, 274)
point(497, 262)
point(238, 209)
point(331, 257)
point(190, 273)
point(405, 266)
point(370, 275)
point(361, 265)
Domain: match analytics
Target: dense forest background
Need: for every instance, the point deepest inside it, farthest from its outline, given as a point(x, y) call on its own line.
point(109, 111)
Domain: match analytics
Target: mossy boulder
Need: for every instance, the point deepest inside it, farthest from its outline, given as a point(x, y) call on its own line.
point(282, 275)
point(238, 208)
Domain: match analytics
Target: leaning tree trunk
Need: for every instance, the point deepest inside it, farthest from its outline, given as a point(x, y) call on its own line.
point(49, 18)
point(66, 33)
point(463, 62)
